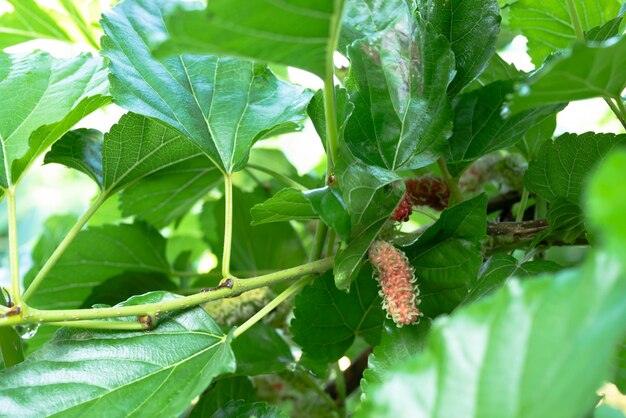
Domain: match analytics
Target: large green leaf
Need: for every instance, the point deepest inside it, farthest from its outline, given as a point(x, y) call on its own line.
point(327, 319)
point(582, 72)
point(95, 255)
point(561, 167)
point(54, 95)
point(299, 33)
point(398, 82)
point(26, 22)
point(254, 248)
point(472, 27)
point(222, 104)
point(120, 374)
point(447, 256)
point(480, 127)
point(529, 340)
point(170, 193)
point(371, 194)
point(548, 25)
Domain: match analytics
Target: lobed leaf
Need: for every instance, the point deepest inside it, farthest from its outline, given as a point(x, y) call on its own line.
point(56, 94)
point(398, 82)
point(223, 105)
point(127, 374)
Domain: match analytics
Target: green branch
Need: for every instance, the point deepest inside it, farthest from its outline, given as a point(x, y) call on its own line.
point(228, 224)
point(229, 288)
point(58, 252)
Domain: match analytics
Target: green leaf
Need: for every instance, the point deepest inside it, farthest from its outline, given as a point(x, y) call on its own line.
point(548, 25)
point(472, 27)
point(168, 194)
point(286, 205)
point(606, 31)
point(327, 320)
point(528, 341)
point(371, 194)
point(480, 128)
point(222, 104)
point(560, 169)
point(261, 350)
point(28, 21)
point(368, 18)
point(126, 374)
point(497, 69)
point(402, 114)
point(329, 205)
point(581, 72)
point(81, 150)
point(98, 254)
point(300, 34)
point(254, 248)
point(396, 346)
point(222, 392)
point(447, 256)
point(500, 268)
point(537, 135)
point(244, 409)
point(55, 95)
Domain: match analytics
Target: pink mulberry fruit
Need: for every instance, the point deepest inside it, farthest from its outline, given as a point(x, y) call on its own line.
point(397, 283)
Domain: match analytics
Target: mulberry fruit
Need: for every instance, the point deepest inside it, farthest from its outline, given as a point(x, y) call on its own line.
point(397, 282)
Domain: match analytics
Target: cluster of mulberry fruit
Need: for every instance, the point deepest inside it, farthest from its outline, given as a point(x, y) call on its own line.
point(422, 191)
point(397, 282)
